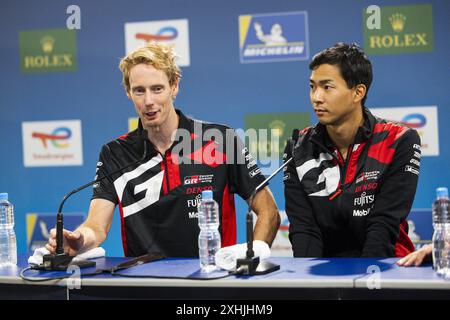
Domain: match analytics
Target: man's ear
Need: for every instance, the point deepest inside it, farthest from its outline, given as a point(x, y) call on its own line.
point(360, 92)
point(128, 93)
point(174, 88)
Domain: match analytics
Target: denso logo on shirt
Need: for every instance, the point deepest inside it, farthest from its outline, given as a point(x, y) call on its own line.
point(365, 187)
point(195, 190)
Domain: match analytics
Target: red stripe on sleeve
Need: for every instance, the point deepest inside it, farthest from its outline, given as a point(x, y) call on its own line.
point(173, 170)
point(164, 182)
point(404, 245)
point(122, 227)
point(228, 219)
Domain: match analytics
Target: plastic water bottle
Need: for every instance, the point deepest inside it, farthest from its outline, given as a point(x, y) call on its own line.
point(209, 237)
point(8, 244)
point(441, 234)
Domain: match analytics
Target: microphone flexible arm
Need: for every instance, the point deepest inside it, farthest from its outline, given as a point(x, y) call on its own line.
point(250, 265)
point(249, 218)
point(59, 215)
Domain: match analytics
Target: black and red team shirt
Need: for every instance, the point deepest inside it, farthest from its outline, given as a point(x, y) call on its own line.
point(356, 207)
point(158, 196)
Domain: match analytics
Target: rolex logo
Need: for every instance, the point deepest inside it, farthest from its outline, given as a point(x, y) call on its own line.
point(47, 44)
point(277, 127)
point(397, 22)
point(401, 29)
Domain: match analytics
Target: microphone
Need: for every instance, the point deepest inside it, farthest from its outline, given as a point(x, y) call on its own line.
point(60, 261)
point(251, 265)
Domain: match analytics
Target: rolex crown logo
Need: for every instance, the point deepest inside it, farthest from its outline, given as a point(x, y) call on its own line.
point(47, 43)
point(397, 22)
point(278, 127)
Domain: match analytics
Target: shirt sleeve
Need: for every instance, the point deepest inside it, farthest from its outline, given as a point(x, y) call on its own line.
point(244, 175)
point(304, 233)
point(104, 189)
point(394, 198)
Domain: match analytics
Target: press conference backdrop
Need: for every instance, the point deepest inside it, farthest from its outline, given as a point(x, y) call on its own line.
point(244, 63)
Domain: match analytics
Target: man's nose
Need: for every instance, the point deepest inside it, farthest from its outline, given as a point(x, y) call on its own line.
point(316, 96)
point(148, 98)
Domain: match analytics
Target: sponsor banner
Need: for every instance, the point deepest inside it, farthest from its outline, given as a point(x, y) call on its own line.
point(173, 32)
point(40, 224)
point(48, 50)
point(423, 119)
point(273, 37)
point(133, 123)
point(403, 29)
point(272, 130)
point(420, 226)
point(52, 143)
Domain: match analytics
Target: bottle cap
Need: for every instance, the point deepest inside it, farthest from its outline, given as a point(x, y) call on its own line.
point(207, 194)
point(442, 192)
point(3, 196)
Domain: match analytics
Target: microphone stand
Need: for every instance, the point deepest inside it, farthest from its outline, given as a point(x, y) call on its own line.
point(60, 261)
point(251, 265)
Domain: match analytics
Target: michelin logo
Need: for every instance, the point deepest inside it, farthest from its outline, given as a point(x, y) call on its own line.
point(273, 37)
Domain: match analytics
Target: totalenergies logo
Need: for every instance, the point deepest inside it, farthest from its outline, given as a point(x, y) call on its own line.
point(57, 137)
point(414, 120)
point(164, 34)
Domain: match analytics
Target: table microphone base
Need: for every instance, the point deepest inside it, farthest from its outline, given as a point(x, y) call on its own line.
point(253, 266)
point(61, 262)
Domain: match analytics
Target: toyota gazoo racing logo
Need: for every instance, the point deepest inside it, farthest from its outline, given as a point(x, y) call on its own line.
point(203, 178)
point(369, 175)
point(191, 180)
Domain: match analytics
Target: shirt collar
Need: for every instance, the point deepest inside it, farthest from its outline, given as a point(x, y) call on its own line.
point(363, 133)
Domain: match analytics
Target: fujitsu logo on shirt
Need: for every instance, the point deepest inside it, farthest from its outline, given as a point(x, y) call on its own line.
point(194, 203)
point(364, 199)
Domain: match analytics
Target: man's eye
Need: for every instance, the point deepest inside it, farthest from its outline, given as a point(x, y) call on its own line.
point(138, 91)
point(327, 87)
point(157, 89)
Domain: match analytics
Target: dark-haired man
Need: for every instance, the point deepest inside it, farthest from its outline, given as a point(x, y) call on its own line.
point(353, 176)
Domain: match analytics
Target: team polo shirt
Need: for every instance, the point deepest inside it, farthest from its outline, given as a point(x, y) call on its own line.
point(158, 196)
point(355, 207)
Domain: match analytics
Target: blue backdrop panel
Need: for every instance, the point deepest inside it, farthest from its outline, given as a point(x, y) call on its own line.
point(215, 87)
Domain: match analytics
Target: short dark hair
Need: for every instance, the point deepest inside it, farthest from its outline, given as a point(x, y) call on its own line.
point(351, 60)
